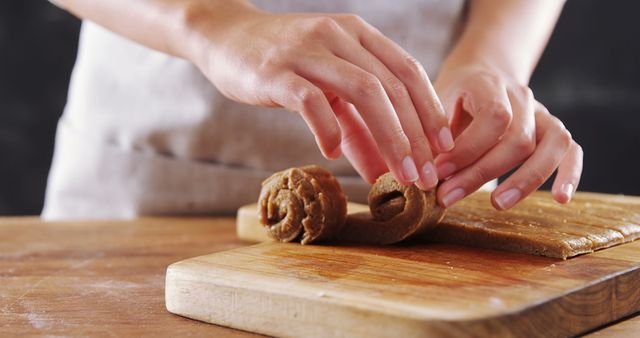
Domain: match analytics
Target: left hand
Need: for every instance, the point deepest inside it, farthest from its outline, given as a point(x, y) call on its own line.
point(498, 126)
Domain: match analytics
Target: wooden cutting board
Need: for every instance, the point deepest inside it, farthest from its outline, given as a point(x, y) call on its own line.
point(408, 290)
point(290, 290)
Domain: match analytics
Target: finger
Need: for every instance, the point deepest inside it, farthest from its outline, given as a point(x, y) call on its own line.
point(411, 73)
point(297, 94)
point(358, 146)
point(487, 102)
point(398, 94)
point(553, 145)
point(517, 145)
point(569, 172)
point(366, 93)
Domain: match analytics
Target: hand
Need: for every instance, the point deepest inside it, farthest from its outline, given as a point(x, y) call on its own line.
point(359, 92)
point(498, 126)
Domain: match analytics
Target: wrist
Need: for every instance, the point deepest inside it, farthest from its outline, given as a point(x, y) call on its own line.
point(494, 62)
point(202, 24)
point(479, 64)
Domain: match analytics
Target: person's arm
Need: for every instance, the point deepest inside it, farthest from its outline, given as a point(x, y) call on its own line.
point(359, 92)
point(163, 25)
point(509, 35)
point(499, 125)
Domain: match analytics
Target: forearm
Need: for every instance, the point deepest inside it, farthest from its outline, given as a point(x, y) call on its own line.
point(509, 35)
point(164, 25)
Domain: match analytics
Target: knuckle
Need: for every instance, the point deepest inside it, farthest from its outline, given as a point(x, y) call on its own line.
point(327, 137)
point(498, 113)
point(541, 108)
point(419, 143)
point(270, 63)
point(524, 145)
point(564, 137)
point(396, 89)
point(333, 136)
point(578, 149)
point(368, 85)
point(307, 97)
point(397, 141)
point(469, 152)
point(480, 175)
point(352, 18)
point(398, 134)
point(522, 91)
point(501, 118)
point(286, 53)
point(536, 177)
point(354, 135)
point(555, 122)
point(321, 25)
point(436, 115)
point(412, 68)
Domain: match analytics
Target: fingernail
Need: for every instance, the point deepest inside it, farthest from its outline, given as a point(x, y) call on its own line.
point(429, 177)
point(446, 139)
point(453, 196)
point(446, 169)
point(409, 170)
point(567, 190)
point(508, 198)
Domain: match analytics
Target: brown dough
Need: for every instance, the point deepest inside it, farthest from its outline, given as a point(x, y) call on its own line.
point(397, 212)
point(540, 226)
point(305, 204)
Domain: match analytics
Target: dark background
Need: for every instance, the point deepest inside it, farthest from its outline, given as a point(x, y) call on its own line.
point(589, 77)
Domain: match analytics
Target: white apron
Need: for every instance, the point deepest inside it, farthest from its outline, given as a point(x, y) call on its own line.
point(145, 133)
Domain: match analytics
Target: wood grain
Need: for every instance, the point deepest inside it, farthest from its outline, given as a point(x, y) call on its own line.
point(626, 328)
point(100, 278)
point(290, 290)
point(107, 278)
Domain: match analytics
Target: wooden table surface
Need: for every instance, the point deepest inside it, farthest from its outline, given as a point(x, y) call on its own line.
point(106, 278)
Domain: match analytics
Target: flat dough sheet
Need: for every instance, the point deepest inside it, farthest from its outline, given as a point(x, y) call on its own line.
point(540, 226)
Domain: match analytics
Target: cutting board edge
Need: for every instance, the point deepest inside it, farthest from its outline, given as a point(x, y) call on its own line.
point(247, 314)
point(416, 326)
point(576, 289)
point(311, 292)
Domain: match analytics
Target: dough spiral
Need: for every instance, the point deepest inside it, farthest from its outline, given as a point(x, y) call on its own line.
point(305, 204)
point(397, 213)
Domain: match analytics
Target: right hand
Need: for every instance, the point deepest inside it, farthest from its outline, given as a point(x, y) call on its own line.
point(359, 92)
